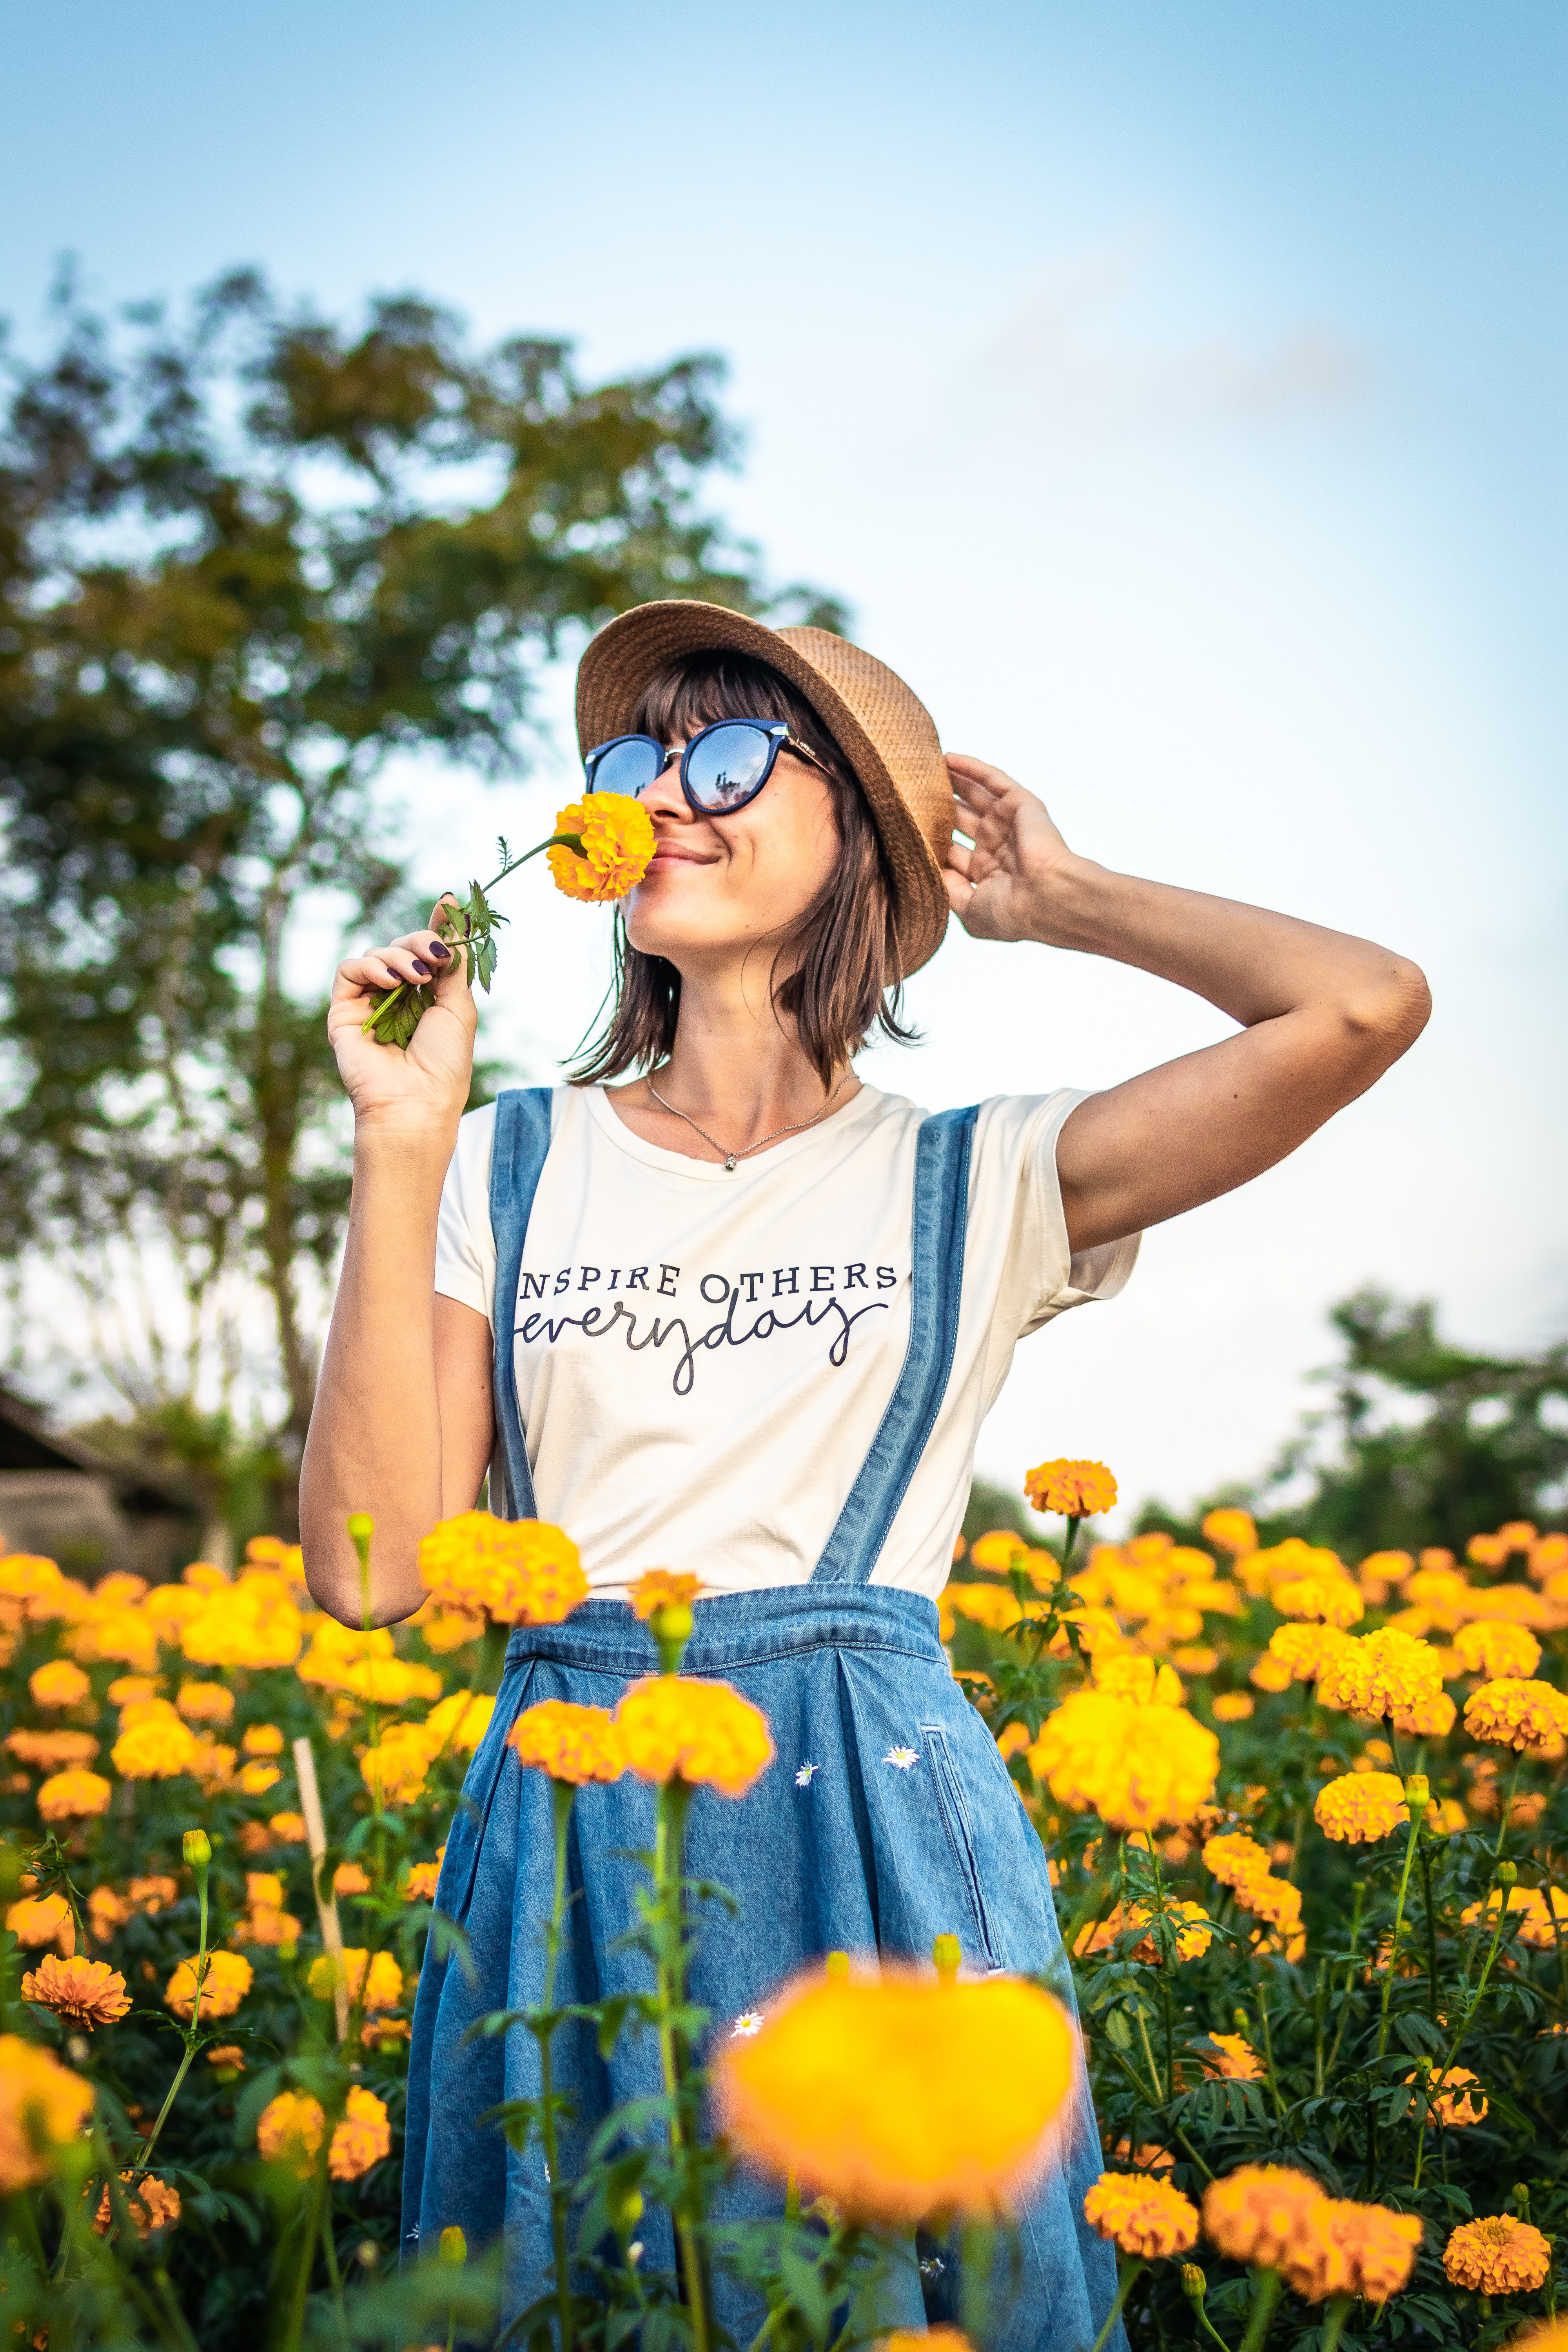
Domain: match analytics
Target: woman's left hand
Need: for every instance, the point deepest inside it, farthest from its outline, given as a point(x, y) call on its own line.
point(999, 889)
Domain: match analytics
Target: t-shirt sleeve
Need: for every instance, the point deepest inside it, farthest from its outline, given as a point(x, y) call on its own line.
point(1016, 1181)
point(465, 1243)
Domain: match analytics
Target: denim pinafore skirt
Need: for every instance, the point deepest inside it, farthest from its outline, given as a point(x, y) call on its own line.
point(845, 1843)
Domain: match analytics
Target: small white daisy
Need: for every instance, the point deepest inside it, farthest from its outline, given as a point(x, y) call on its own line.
point(746, 2025)
point(902, 1756)
point(807, 1773)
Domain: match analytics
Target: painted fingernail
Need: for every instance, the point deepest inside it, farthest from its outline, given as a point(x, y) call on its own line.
point(441, 954)
point(422, 968)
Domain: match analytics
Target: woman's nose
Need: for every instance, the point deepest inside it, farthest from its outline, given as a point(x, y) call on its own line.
point(664, 796)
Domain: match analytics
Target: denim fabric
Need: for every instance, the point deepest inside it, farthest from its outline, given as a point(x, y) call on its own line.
point(867, 1856)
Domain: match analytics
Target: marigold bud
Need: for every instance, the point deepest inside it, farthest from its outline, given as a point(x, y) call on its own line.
point(947, 1953)
point(454, 2245)
point(837, 1964)
point(361, 1526)
point(1193, 2283)
point(198, 1848)
point(1507, 1872)
point(1416, 1791)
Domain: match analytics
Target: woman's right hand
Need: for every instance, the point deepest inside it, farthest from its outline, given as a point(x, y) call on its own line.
point(425, 1083)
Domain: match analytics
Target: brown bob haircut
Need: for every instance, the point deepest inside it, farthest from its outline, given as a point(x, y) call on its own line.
point(844, 950)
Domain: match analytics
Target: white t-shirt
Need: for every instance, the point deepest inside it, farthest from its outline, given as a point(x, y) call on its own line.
point(703, 1357)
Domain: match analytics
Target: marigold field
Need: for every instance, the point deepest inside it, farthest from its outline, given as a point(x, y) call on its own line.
point(1304, 1818)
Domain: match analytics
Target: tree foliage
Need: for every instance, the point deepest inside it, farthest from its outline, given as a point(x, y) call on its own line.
point(244, 555)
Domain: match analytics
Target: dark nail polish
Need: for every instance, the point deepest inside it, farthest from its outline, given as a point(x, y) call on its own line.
point(422, 968)
point(441, 954)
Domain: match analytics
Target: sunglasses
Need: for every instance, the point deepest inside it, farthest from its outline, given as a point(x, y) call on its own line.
point(722, 767)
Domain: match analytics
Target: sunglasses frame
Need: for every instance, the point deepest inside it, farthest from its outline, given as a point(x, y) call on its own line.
point(776, 730)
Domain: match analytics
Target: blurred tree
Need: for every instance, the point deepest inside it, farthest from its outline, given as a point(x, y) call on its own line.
point(1424, 1443)
point(243, 558)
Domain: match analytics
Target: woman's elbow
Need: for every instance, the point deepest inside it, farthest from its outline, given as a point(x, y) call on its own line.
point(1382, 1018)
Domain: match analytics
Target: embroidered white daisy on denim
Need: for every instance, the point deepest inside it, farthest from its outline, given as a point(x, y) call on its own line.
point(807, 1773)
point(748, 2023)
point(902, 1756)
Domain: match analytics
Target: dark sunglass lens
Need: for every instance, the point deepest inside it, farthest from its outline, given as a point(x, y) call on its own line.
point(727, 765)
point(628, 766)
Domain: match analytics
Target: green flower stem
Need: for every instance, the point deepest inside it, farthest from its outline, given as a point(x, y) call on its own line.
point(1416, 1815)
point(1128, 2275)
point(1334, 2319)
point(1424, 1851)
point(1207, 2324)
point(668, 1864)
point(295, 2326)
point(193, 2031)
point(406, 988)
point(1269, 2050)
point(1476, 1996)
point(1152, 2101)
point(1359, 1889)
point(562, 1793)
point(1263, 2305)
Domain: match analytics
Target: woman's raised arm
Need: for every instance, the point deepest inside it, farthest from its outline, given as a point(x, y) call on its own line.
point(401, 1421)
point(1322, 1014)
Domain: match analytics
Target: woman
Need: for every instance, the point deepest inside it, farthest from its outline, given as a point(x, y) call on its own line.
point(742, 1316)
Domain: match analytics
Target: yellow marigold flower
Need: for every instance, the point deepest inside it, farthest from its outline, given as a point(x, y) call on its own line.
point(151, 2205)
point(253, 1623)
point(1196, 1658)
point(1383, 1569)
point(1307, 1649)
point(1513, 1713)
point(287, 1828)
point(661, 1588)
point(1431, 1718)
point(395, 1771)
point(618, 843)
point(362, 2139)
point(1149, 2158)
point(156, 1749)
point(205, 1702)
point(1232, 1530)
point(1235, 1858)
point(1546, 1919)
point(1334, 1600)
point(1141, 2216)
point(256, 1776)
point(28, 1576)
point(991, 1605)
point(39, 1919)
point(1493, 1647)
point(264, 1923)
point(84, 1992)
point(1498, 2256)
point(1361, 1806)
point(925, 2339)
point(42, 2106)
point(55, 1748)
point(1371, 2252)
point(1235, 2061)
point(446, 1630)
point(423, 1879)
point(999, 1548)
point(227, 1979)
point(1547, 1557)
point(1378, 1674)
point(1453, 2099)
point(1270, 1898)
point(289, 2130)
point(1079, 1490)
point(1194, 1932)
point(903, 2097)
point(514, 1570)
point(570, 1743)
point(1486, 1551)
point(1123, 1677)
point(58, 1683)
point(1271, 1673)
point(673, 1726)
point(1137, 1766)
point(1266, 2214)
point(385, 1987)
point(263, 1739)
point(460, 1722)
point(1231, 1706)
point(73, 1796)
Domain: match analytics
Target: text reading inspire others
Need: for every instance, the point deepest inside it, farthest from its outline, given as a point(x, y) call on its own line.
point(807, 1297)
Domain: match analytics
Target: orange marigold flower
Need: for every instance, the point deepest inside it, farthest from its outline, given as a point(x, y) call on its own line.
point(74, 1796)
point(423, 1880)
point(1334, 1600)
point(1138, 1767)
point(998, 1548)
point(1548, 1556)
point(1307, 1649)
point(287, 1828)
point(459, 1723)
point(661, 1588)
point(905, 2096)
point(394, 1769)
point(1491, 1646)
point(58, 1683)
point(290, 2129)
point(385, 1987)
point(40, 1919)
point(1429, 1718)
point(1271, 1673)
point(1079, 1490)
point(1236, 2062)
point(673, 1726)
point(1498, 2256)
point(570, 1743)
point(350, 1879)
point(1266, 2214)
point(155, 1748)
point(205, 1702)
point(150, 1894)
point(362, 2139)
point(54, 1749)
point(227, 1979)
point(42, 2106)
point(1142, 2216)
point(1361, 1806)
point(151, 2205)
point(84, 1992)
point(1377, 1673)
point(1123, 1676)
point(517, 1571)
point(227, 2053)
point(1235, 1858)
point(1232, 1530)
point(618, 843)
point(1150, 2157)
point(1452, 2099)
point(1486, 1551)
point(1513, 1713)
point(925, 2339)
point(1232, 1706)
point(1370, 2251)
point(262, 1739)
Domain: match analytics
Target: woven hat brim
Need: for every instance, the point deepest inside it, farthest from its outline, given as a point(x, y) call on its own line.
point(880, 726)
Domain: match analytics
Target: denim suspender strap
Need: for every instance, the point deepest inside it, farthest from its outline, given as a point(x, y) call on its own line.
point(940, 1217)
point(517, 1154)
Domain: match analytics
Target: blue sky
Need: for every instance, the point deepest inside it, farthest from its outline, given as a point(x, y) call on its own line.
point(1176, 393)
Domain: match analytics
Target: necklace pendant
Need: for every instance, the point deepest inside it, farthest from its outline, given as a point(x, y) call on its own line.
point(730, 1165)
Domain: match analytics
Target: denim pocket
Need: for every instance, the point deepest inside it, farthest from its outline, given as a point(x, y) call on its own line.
point(960, 1836)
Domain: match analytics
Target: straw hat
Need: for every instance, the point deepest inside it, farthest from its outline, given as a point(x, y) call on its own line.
point(883, 730)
